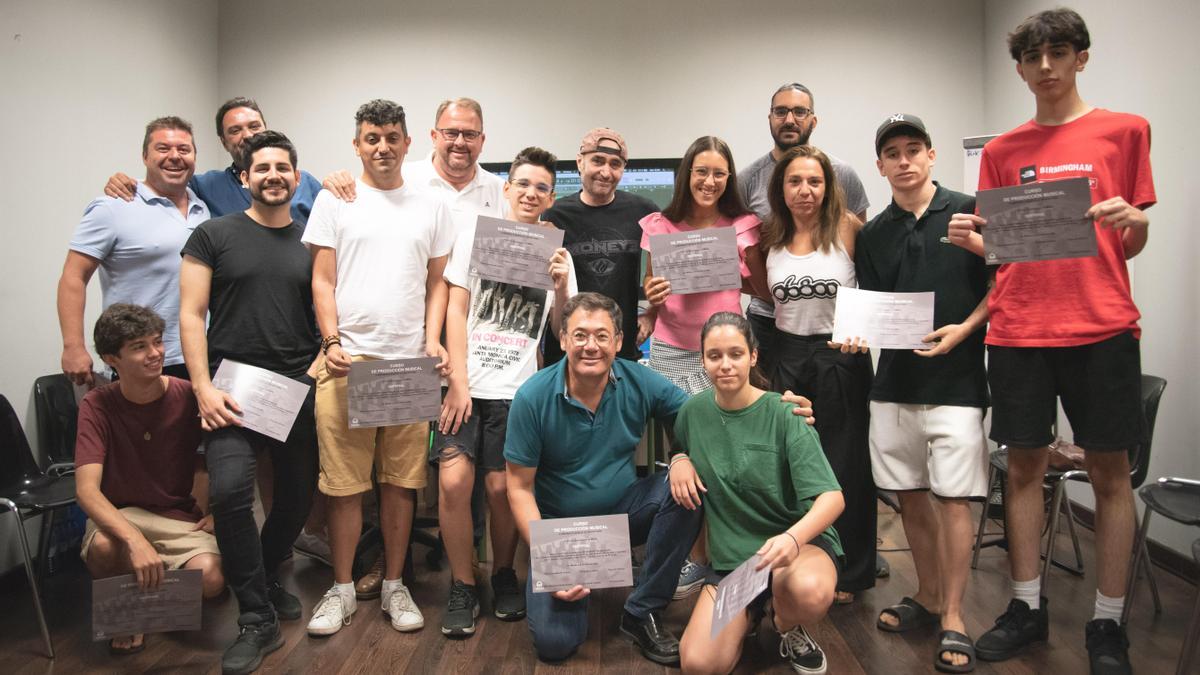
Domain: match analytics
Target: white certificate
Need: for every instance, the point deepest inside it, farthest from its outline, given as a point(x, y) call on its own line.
point(736, 591)
point(269, 401)
point(884, 320)
point(391, 392)
point(591, 551)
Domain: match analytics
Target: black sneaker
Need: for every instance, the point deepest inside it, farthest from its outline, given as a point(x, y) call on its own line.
point(508, 598)
point(651, 635)
point(461, 610)
point(1108, 648)
point(803, 652)
point(287, 606)
point(1017, 626)
point(257, 639)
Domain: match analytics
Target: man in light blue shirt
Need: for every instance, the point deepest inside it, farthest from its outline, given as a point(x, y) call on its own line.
point(221, 189)
point(135, 245)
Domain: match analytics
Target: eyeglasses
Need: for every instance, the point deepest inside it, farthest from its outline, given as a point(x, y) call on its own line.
point(453, 134)
point(524, 184)
point(704, 172)
point(580, 339)
point(799, 112)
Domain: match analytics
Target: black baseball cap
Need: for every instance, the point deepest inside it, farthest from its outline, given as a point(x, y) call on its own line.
point(905, 121)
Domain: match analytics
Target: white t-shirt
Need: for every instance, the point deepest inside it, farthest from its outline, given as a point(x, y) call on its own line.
point(384, 240)
point(483, 196)
point(804, 288)
point(504, 324)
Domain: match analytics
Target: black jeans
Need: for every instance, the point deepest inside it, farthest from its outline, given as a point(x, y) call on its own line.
point(250, 559)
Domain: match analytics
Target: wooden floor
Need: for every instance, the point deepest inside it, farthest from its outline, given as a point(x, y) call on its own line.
point(369, 645)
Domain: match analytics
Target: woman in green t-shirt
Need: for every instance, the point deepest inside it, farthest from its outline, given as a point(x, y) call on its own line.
point(767, 491)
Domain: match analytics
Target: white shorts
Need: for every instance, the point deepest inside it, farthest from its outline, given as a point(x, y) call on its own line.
point(929, 447)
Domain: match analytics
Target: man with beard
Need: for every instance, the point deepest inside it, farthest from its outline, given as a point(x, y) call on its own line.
point(238, 119)
point(252, 272)
point(792, 118)
point(603, 236)
point(134, 243)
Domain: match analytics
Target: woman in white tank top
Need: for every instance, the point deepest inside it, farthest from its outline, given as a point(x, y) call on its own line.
point(809, 250)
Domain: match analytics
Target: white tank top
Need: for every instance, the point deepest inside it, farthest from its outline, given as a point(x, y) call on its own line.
point(804, 288)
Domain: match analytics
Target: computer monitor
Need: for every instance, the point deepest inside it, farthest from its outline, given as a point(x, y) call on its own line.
point(653, 178)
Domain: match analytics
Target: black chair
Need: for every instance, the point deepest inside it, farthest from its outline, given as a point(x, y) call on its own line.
point(1179, 500)
point(57, 419)
point(27, 491)
point(1139, 461)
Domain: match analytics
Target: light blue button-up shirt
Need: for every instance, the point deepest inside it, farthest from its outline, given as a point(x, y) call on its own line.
point(138, 245)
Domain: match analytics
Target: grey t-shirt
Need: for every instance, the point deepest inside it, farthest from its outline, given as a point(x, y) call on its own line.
point(754, 180)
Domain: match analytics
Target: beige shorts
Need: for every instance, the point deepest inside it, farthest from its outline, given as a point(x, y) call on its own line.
point(929, 447)
point(174, 540)
point(398, 453)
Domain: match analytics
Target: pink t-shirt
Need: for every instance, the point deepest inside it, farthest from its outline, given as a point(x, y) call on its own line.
point(682, 316)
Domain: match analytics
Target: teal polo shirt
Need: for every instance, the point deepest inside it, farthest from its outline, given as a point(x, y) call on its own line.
point(584, 460)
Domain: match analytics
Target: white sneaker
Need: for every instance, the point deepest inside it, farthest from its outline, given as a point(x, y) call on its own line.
point(332, 613)
point(403, 612)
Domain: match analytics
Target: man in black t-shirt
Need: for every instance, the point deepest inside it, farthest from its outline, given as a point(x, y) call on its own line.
point(603, 235)
point(927, 406)
point(251, 271)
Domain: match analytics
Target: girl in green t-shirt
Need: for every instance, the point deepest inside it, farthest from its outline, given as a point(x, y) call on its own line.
point(767, 491)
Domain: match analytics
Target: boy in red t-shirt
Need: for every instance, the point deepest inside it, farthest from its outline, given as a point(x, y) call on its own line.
point(136, 463)
point(1067, 328)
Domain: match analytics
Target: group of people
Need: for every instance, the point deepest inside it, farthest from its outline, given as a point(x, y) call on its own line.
point(544, 402)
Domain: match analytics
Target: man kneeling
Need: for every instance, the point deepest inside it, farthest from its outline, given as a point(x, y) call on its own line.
point(136, 465)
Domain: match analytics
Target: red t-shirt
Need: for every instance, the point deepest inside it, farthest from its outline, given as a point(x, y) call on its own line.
point(1075, 301)
point(148, 451)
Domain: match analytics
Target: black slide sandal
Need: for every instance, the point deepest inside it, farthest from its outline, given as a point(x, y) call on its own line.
point(911, 615)
point(956, 643)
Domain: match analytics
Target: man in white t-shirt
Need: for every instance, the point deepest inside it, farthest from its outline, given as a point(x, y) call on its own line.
point(493, 331)
point(377, 267)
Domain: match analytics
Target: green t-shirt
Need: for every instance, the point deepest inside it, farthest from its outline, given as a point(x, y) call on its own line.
point(763, 467)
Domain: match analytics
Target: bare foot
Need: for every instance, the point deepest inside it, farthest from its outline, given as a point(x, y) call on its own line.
point(127, 644)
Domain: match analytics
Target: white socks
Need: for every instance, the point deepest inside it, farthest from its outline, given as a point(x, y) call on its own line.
point(345, 590)
point(389, 586)
point(1108, 608)
point(1029, 591)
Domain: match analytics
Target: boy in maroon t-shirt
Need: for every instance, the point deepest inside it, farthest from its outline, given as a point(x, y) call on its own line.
point(1067, 328)
point(136, 463)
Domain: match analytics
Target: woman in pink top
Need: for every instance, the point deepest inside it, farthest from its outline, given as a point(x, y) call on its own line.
point(706, 196)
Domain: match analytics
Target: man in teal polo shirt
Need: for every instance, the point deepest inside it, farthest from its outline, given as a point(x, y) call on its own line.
point(572, 432)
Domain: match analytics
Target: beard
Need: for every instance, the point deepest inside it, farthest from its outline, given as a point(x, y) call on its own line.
point(802, 138)
point(260, 196)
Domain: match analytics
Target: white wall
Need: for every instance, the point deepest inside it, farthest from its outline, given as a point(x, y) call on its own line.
point(80, 80)
point(662, 73)
point(1142, 61)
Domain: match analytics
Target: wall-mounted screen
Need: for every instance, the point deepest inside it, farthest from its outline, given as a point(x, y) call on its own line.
point(653, 179)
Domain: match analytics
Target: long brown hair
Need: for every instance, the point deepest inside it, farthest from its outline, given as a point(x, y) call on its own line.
point(741, 325)
point(730, 203)
point(780, 227)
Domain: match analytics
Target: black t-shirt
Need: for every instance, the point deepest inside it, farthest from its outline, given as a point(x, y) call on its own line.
point(898, 253)
point(605, 243)
point(260, 305)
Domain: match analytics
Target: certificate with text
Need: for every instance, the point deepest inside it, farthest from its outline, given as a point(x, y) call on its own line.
point(883, 320)
point(1037, 221)
point(698, 261)
point(120, 608)
point(269, 401)
point(736, 591)
point(390, 392)
point(514, 253)
point(592, 551)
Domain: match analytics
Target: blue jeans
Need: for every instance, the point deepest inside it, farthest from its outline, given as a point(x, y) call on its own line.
point(668, 531)
point(248, 557)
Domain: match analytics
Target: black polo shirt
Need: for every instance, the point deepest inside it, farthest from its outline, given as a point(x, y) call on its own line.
point(899, 253)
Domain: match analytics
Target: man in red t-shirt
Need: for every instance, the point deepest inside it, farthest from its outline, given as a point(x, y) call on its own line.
point(136, 462)
point(1067, 328)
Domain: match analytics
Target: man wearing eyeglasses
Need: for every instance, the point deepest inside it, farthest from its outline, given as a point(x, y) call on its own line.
point(452, 170)
point(792, 118)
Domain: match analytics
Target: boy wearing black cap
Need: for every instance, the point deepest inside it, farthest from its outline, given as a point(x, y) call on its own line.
point(927, 406)
point(1067, 329)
